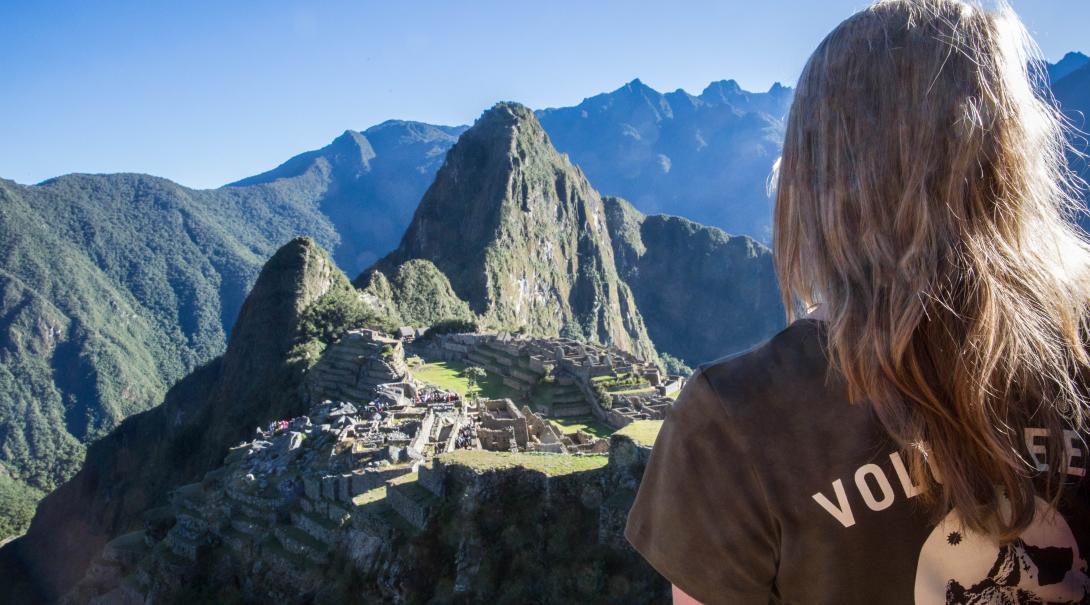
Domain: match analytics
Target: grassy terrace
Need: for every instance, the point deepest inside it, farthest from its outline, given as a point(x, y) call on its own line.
point(642, 431)
point(589, 424)
point(550, 464)
point(635, 391)
point(372, 495)
point(447, 375)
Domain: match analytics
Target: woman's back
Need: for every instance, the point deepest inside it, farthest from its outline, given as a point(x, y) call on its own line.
point(915, 442)
point(767, 485)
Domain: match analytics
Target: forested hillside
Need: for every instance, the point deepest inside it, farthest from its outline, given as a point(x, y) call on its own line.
point(111, 289)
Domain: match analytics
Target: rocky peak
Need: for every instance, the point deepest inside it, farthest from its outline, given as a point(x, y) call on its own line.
point(521, 235)
point(1070, 63)
point(723, 90)
point(299, 273)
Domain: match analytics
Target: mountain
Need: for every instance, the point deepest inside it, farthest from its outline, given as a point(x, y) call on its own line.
point(367, 184)
point(133, 469)
point(1070, 63)
point(702, 293)
point(1073, 95)
point(705, 157)
point(522, 236)
point(112, 287)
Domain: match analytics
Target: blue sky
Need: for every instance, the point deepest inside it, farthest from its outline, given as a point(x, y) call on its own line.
point(208, 92)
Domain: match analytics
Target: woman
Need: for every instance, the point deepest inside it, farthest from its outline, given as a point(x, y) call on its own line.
point(921, 435)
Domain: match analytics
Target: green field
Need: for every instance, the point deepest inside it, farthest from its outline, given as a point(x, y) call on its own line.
point(642, 431)
point(447, 375)
point(550, 464)
point(589, 424)
point(635, 391)
point(372, 495)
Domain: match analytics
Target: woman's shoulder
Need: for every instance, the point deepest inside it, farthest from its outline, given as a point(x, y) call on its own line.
point(789, 367)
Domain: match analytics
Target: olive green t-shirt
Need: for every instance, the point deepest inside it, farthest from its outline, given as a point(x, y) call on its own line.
point(766, 486)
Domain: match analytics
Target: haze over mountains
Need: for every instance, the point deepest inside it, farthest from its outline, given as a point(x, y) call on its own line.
point(707, 158)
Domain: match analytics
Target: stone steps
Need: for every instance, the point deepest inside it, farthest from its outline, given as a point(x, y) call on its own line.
point(412, 501)
point(245, 509)
point(299, 542)
point(290, 562)
point(564, 397)
point(174, 561)
point(250, 526)
point(319, 527)
point(182, 545)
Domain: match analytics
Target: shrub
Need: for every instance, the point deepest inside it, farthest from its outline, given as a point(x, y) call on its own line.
point(673, 365)
point(453, 326)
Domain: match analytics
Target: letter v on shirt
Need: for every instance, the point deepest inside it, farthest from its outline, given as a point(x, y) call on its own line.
point(874, 487)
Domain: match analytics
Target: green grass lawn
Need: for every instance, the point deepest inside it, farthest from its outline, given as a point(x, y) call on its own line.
point(550, 464)
point(589, 424)
point(635, 391)
point(642, 431)
point(372, 495)
point(447, 375)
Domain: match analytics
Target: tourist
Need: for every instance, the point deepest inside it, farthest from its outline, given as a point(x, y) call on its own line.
point(920, 436)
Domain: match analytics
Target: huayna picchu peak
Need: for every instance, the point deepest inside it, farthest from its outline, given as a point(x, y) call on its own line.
point(522, 236)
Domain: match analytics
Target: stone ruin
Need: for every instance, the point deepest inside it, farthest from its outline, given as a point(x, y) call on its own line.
point(360, 361)
point(567, 370)
point(359, 470)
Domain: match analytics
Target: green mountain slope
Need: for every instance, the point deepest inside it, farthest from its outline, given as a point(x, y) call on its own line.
point(522, 236)
point(418, 295)
point(702, 293)
point(112, 288)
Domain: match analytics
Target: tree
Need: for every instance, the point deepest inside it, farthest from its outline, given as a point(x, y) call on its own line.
point(473, 375)
point(673, 365)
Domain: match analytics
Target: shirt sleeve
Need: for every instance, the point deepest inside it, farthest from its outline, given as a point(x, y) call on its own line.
point(701, 517)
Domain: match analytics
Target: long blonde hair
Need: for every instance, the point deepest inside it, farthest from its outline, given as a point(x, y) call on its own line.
point(923, 198)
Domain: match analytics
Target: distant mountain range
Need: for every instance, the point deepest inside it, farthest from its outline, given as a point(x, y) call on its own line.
point(707, 158)
point(366, 184)
point(1070, 63)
